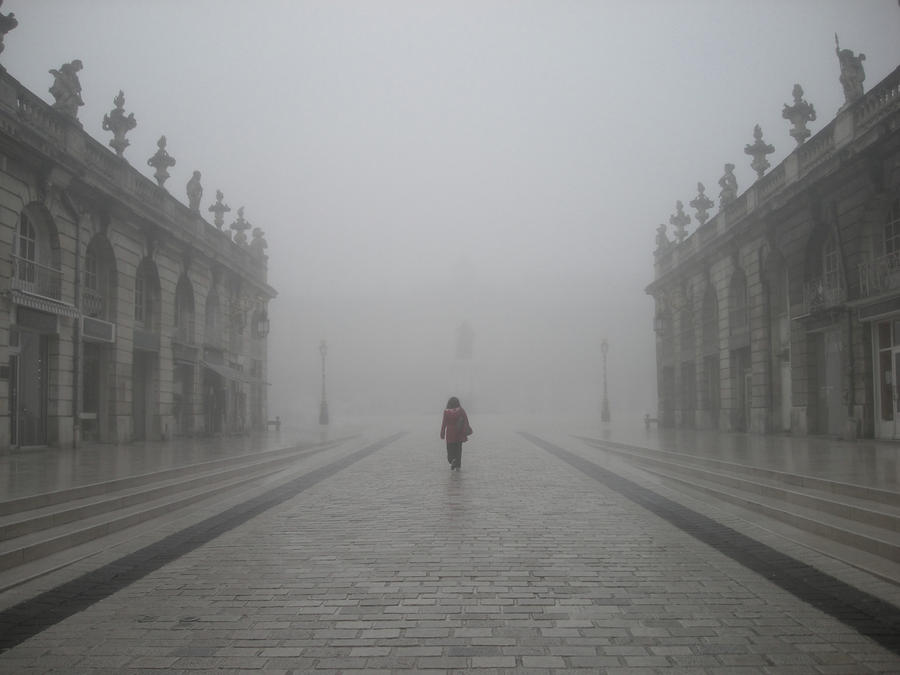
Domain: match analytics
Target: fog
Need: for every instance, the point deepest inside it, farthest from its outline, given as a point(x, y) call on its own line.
point(420, 164)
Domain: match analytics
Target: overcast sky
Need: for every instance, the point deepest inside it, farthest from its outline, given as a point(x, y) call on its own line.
point(415, 164)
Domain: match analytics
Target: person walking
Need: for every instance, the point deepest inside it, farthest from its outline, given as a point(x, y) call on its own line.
point(456, 430)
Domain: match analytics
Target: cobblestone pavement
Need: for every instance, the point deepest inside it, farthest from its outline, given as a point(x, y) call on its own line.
point(389, 561)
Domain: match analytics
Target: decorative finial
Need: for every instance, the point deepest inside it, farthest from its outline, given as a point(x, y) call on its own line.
point(258, 244)
point(679, 220)
point(66, 89)
point(7, 23)
point(662, 239)
point(161, 161)
point(194, 192)
point(799, 114)
point(239, 226)
point(852, 72)
point(758, 151)
point(702, 203)
point(119, 124)
point(729, 186)
point(219, 209)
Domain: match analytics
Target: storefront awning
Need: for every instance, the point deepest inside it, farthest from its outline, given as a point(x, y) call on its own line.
point(43, 304)
point(225, 371)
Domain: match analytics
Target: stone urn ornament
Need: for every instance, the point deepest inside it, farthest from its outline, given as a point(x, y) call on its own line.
point(161, 161)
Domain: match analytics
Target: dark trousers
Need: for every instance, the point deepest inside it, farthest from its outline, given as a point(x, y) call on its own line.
point(454, 454)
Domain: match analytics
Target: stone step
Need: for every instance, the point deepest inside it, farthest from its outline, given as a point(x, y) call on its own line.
point(858, 518)
point(46, 499)
point(30, 547)
point(871, 539)
point(120, 494)
point(108, 509)
point(844, 488)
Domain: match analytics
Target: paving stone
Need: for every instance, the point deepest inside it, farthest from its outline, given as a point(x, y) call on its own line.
point(395, 564)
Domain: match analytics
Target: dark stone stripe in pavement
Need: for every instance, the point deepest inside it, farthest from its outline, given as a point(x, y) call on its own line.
point(28, 618)
point(865, 613)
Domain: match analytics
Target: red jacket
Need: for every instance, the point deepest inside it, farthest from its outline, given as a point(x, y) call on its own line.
point(451, 425)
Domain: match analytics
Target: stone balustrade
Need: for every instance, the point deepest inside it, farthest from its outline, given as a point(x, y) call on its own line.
point(882, 100)
point(879, 275)
point(101, 166)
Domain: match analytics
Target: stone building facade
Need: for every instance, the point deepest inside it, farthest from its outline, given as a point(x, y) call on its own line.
point(782, 312)
point(124, 314)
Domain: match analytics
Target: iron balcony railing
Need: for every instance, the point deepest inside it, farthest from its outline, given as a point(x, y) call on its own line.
point(32, 277)
point(92, 303)
point(879, 275)
point(823, 294)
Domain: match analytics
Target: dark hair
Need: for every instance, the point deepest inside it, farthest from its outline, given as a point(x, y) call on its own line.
point(453, 402)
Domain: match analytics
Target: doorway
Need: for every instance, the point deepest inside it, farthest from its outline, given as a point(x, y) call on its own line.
point(887, 378)
point(29, 392)
point(143, 385)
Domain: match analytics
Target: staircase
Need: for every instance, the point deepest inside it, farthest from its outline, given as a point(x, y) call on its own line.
point(44, 532)
point(857, 524)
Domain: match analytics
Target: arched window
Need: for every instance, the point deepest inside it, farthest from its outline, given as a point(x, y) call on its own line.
point(98, 280)
point(184, 311)
point(710, 321)
point(212, 315)
point(26, 251)
point(146, 292)
point(738, 316)
point(27, 240)
point(831, 263)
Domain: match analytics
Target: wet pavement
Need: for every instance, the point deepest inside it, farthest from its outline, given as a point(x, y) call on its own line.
point(532, 558)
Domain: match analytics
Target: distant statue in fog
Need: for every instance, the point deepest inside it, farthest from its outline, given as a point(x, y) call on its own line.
point(465, 339)
point(852, 72)
point(455, 430)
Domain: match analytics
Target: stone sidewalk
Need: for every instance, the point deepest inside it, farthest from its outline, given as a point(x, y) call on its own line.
point(389, 562)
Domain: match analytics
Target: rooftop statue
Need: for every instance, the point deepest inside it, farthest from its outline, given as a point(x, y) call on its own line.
point(219, 209)
point(7, 23)
point(799, 114)
point(66, 89)
point(116, 122)
point(729, 186)
point(852, 72)
point(161, 161)
point(194, 192)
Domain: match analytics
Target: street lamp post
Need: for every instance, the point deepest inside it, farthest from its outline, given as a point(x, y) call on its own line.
point(604, 410)
point(323, 408)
